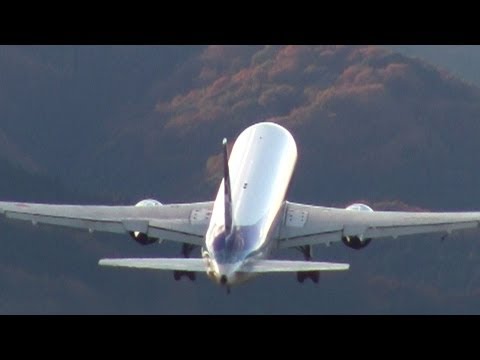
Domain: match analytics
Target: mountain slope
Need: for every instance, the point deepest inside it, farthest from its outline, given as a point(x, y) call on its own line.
point(403, 116)
point(461, 60)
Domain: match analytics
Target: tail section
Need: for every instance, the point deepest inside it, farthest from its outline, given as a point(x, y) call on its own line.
point(200, 265)
point(228, 190)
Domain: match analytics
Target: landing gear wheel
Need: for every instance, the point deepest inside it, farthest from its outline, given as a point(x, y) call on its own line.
point(191, 275)
point(303, 275)
point(300, 277)
point(177, 275)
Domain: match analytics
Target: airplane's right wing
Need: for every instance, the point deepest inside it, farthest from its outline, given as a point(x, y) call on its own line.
point(311, 225)
point(186, 223)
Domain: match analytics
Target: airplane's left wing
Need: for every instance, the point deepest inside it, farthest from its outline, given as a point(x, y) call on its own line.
point(311, 225)
point(186, 223)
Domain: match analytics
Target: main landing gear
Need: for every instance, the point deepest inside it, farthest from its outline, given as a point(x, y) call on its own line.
point(307, 252)
point(178, 274)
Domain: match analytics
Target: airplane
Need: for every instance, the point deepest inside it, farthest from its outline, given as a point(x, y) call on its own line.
point(249, 219)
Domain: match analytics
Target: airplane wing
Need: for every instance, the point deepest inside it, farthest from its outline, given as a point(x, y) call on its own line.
point(311, 225)
point(186, 223)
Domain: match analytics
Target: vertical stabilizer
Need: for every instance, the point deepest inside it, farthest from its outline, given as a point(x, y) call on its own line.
point(228, 190)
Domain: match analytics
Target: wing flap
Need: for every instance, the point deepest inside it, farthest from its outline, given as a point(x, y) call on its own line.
point(264, 266)
point(198, 265)
point(394, 231)
point(93, 225)
point(310, 239)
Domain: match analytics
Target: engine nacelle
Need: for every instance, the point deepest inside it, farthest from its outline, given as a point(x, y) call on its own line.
point(355, 242)
point(142, 238)
point(359, 207)
point(149, 202)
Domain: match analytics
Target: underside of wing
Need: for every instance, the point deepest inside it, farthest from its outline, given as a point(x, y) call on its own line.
point(197, 265)
point(185, 223)
point(311, 225)
point(264, 266)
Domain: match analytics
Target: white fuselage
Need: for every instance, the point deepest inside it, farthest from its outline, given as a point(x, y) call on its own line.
point(261, 165)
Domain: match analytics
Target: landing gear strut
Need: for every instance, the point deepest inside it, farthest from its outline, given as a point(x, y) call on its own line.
point(178, 274)
point(187, 249)
point(307, 252)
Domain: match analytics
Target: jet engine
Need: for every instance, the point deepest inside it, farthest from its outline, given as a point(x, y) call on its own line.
point(139, 237)
point(355, 242)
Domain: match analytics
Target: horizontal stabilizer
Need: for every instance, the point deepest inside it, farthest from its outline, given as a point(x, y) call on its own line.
point(158, 264)
point(199, 265)
point(264, 266)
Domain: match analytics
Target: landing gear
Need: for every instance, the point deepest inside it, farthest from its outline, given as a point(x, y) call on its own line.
point(300, 277)
point(303, 275)
point(307, 252)
point(178, 274)
point(187, 249)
